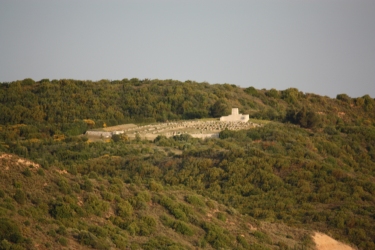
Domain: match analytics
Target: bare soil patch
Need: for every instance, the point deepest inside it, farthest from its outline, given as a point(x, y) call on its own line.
point(324, 242)
point(6, 158)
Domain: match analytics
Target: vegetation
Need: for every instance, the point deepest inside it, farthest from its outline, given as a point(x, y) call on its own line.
point(311, 168)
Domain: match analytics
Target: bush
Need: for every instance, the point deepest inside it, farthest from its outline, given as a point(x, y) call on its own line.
point(195, 200)
point(9, 231)
point(61, 230)
point(61, 211)
point(40, 172)
point(144, 196)
point(124, 209)
point(5, 245)
point(211, 204)
point(262, 236)
point(166, 220)
point(330, 130)
point(120, 242)
point(147, 225)
point(87, 186)
point(155, 186)
point(182, 228)
point(98, 231)
point(94, 205)
point(64, 186)
point(243, 242)
point(20, 197)
point(161, 242)
point(107, 196)
point(86, 238)
point(179, 214)
point(27, 172)
point(133, 228)
point(217, 237)
point(221, 216)
point(63, 241)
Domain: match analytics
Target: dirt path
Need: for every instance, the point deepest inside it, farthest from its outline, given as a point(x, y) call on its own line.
point(324, 242)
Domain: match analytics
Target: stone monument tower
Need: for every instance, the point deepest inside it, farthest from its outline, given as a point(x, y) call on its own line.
point(235, 117)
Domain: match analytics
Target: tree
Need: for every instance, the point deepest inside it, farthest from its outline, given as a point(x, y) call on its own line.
point(272, 93)
point(220, 108)
point(290, 95)
point(305, 118)
point(251, 91)
point(343, 97)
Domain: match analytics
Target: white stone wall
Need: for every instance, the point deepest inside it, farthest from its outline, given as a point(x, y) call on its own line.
point(118, 132)
point(99, 133)
point(202, 136)
point(105, 134)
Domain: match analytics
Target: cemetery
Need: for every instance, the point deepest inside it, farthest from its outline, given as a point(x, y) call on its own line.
point(209, 128)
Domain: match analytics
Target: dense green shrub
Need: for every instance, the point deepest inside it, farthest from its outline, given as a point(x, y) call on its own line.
point(87, 185)
point(9, 231)
point(155, 186)
point(147, 225)
point(5, 245)
point(27, 172)
point(61, 210)
point(20, 197)
point(87, 238)
point(262, 236)
point(120, 242)
point(221, 216)
point(162, 242)
point(182, 228)
point(177, 225)
point(124, 209)
point(94, 205)
point(62, 231)
point(217, 237)
point(63, 241)
point(98, 231)
point(195, 200)
point(243, 242)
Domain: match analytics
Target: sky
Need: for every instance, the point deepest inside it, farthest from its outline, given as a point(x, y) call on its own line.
point(325, 47)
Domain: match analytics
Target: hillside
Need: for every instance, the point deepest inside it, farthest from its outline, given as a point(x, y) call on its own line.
point(310, 167)
point(50, 208)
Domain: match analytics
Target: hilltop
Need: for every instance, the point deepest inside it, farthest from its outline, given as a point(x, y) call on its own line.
point(309, 168)
point(71, 107)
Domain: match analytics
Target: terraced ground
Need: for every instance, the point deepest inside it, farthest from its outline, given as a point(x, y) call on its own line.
point(207, 128)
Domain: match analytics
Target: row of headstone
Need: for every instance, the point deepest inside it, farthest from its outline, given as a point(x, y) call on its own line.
point(171, 128)
point(197, 125)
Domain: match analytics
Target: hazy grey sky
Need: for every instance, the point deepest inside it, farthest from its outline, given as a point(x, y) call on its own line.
point(318, 46)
